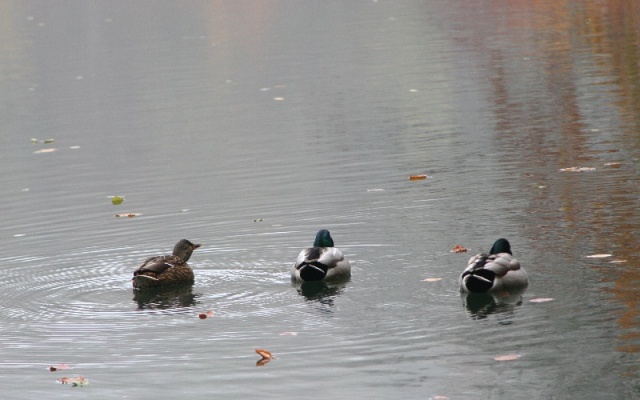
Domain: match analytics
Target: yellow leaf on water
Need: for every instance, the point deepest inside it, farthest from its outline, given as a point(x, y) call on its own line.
point(116, 200)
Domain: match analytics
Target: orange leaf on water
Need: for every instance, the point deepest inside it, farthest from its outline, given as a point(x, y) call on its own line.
point(417, 177)
point(262, 362)
point(207, 314)
point(264, 353)
point(459, 249)
point(77, 381)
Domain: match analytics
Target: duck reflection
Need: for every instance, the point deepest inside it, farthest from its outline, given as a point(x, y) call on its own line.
point(162, 298)
point(502, 305)
point(321, 292)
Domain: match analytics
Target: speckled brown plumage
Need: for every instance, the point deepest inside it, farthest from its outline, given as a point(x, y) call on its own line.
point(166, 270)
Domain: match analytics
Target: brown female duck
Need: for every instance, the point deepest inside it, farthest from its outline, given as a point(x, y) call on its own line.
point(166, 270)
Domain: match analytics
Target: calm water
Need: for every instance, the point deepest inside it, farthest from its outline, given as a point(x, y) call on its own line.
point(248, 126)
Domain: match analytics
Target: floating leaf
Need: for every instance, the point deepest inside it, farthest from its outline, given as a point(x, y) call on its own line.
point(577, 169)
point(50, 140)
point(264, 353)
point(432, 280)
point(206, 314)
point(599, 256)
point(34, 140)
point(375, 190)
point(59, 366)
point(417, 177)
point(51, 150)
point(459, 249)
point(617, 261)
point(128, 215)
point(507, 357)
point(541, 299)
point(613, 165)
point(116, 200)
point(288, 333)
point(77, 381)
point(278, 98)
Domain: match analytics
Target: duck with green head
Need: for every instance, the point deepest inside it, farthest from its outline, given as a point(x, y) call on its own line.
point(321, 263)
point(493, 272)
point(167, 270)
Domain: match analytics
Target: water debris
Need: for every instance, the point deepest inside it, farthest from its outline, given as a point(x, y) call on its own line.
point(56, 367)
point(541, 299)
point(117, 200)
point(375, 190)
point(507, 357)
point(128, 215)
point(46, 141)
point(77, 381)
point(278, 98)
point(432, 280)
point(258, 220)
point(418, 177)
point(577, 169)
point(41, 151)
point(613, 164)
point(436, 397)
point(617, 261)
point(288, 333)
point(599, 256)
point(266, 357)
point(459, 249)
point(204, 315)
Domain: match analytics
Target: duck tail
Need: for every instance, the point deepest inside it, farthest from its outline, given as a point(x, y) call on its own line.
point(479, 281)
point(312, 271)
point(144, 281)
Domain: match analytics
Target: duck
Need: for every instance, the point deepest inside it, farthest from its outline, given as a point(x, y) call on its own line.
point(166, 270)
point(321, 263)
point(494, 272)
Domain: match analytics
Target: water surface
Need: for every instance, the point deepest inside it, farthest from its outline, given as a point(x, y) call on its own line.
point(248, 126)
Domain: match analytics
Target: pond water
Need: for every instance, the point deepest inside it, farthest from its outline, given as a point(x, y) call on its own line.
point(248, 126)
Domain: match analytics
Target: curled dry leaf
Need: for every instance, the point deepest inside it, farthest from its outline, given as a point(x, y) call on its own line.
point(432, 280)
point(459, 249)
point(264, 353)
point(417, 177)
point(541, 299)
point(507, 357)
point(599, 256)
point(59, 366)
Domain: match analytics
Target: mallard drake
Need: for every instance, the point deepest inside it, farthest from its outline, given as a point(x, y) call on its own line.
point(322, 262)
point(166, 270)
point(493, 272)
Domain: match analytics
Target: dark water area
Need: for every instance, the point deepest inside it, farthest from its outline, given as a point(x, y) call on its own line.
point(248, 126)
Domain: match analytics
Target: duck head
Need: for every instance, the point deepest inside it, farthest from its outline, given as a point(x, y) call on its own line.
point(184, 248)
point(501, 246)
point(323, 239)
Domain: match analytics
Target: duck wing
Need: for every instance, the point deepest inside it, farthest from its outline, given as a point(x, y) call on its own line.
point(328, 257)
point(158, 265)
